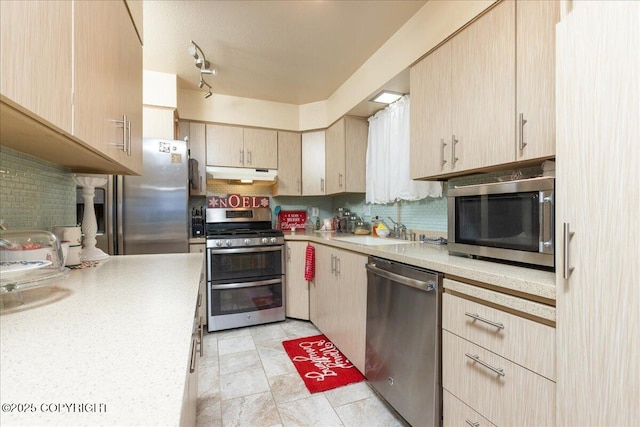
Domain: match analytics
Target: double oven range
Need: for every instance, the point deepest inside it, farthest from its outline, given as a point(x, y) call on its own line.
point(245, 268)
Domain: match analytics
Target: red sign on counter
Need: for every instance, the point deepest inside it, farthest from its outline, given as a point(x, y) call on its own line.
point(290, 219)
point(238, 201)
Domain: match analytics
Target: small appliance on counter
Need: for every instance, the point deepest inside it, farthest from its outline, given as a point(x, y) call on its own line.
point(197, 222)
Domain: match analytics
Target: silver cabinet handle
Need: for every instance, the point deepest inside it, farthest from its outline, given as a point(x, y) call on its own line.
point(288, 254)
point(199, 299)
point(568, 234)
point(442, 145)
point(333, 266)
point(487, 321)
point(248, 157)
point(321, 184)
point(471, 423)
point(476, 358)
point(340, 180)
point(337, 266)
point(192, 365)
point(454, 142)
point(201, 338)
point(522, 123)
point(241, 156)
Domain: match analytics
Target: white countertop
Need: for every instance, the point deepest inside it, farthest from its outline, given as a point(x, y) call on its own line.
point(538, 284)
point(114, 340)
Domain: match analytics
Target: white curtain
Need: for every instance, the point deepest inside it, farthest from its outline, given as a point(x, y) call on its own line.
point(388, 158)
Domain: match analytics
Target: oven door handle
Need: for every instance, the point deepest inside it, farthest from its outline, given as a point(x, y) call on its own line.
point(245, 250)
point(246, 284)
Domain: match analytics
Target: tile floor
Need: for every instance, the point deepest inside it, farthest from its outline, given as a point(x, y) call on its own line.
point(246, 379)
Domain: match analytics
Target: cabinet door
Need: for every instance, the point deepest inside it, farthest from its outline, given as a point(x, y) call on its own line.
point(260, 148)
point(483, 90)
point(297, 288)
point(158, 122)
point(96, 87)
point(323, 296)
point(130, 89)
point(356, 134)
point(351, 306)
point(197, 148)
point(598, 198)
point(197, 248)
point(335, 158)
point(313, 144)
point(224, 146)
point(431, 129)
point(536, 89)
point(36, 59)
point(289, 165)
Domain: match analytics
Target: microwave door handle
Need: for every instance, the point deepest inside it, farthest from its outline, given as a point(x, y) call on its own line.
point(546, 222)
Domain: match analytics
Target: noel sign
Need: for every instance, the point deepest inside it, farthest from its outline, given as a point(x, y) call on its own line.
point(238, 201)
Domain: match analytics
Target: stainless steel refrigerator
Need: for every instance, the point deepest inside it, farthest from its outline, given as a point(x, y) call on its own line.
point(146, 214)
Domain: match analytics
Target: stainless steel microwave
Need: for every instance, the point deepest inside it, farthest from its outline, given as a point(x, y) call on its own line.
point(512, 221)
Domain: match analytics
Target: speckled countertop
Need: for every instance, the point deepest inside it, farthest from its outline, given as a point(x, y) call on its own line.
point(521, 280)
point(110, 345)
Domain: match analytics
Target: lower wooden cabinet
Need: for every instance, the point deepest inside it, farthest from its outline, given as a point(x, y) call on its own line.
point(297, 288)
point(497, 367)
point(457, 414)
point(338, 300)
point(195, 248)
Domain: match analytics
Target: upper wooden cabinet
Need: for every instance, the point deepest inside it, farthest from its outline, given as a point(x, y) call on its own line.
point(313, 171)
point(345, 156)
point(73, 113)
point(108, 81)
point(289, 181)
point(465, 93)
point(464, 99)
point(36, 58)
point(535, 78)
point(233, 146)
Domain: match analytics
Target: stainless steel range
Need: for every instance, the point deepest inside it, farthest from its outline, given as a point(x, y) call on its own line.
point(245, 268)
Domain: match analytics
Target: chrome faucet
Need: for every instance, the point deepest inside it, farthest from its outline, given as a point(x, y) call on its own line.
point(399, 229)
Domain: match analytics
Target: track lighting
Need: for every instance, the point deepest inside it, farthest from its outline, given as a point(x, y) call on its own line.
point(203, 65)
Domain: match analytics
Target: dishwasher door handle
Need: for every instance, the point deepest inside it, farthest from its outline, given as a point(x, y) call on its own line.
point(418, 284)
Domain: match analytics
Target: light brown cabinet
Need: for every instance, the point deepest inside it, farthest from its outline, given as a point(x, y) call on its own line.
point(535, 78)
point(93, 81)
point(37, 59)
point(297, 288)
point(289, 181)
point(108, 81)
point(313, 158)
point(462, 118)
point(499, 364)
point(345, 156)
point(464, 93)
point(338, 300)
point(233, 146)
point(597, 201)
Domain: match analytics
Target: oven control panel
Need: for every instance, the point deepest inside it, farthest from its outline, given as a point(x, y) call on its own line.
point(238, 242)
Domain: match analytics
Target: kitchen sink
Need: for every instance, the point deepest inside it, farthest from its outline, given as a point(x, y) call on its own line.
point(371, 240)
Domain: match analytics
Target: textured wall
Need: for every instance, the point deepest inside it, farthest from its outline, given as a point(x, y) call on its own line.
point(35, 194)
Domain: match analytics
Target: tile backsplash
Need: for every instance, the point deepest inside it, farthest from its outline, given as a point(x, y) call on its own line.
point(34, 194)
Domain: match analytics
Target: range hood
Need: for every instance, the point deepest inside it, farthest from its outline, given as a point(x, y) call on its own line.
point(241, 175)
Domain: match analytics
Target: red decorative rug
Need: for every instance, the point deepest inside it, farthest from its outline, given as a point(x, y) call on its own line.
point(320, 364)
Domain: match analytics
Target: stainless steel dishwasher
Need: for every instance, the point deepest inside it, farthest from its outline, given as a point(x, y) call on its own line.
point(403, 339)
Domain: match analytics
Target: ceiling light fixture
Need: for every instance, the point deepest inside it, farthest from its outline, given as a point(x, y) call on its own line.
point(387, 97)
point(203, 65)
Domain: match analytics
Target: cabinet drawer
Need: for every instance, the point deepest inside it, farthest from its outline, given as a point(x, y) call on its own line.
point(457, 414)
point(519, 340)
point(519, 397)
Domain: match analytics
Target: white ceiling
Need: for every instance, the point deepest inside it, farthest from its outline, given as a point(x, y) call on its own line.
point(285, 51)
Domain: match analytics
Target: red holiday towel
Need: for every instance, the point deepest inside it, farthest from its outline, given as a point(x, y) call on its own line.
point(310, 263)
